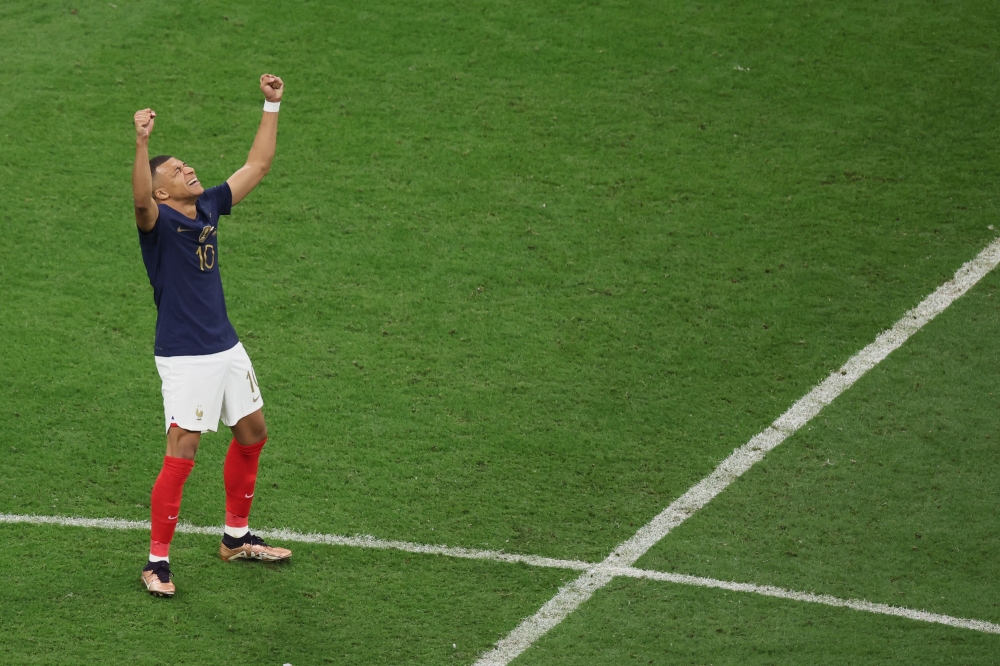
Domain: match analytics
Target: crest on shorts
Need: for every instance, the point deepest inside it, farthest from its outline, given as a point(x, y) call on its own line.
point(198, 412)
point(205, 233)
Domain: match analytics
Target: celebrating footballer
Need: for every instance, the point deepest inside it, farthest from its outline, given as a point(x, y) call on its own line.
point(205, 371)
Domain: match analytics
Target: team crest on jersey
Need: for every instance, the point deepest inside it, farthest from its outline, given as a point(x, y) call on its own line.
point(205, 233)
point(198, 412)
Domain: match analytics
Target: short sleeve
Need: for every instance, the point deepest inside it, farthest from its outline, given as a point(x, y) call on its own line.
point(221, 197)
point(151, 237)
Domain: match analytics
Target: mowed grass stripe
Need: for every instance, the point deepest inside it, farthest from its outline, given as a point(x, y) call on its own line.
point(742, 459)
point(677, 281)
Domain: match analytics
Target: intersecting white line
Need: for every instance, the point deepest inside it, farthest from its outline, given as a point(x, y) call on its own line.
point(570, 597)
point(618, 563)
point(366, 541)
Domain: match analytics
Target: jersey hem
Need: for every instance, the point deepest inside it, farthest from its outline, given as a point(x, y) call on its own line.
point(221, 351)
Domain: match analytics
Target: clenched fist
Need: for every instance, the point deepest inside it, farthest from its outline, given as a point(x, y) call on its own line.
point(144, 123)
point(272, 86)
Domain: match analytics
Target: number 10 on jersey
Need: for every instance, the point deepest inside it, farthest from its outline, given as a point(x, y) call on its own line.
point(206, 256)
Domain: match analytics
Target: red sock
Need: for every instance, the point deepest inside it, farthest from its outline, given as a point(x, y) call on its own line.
point(165, 503)
point(240, 474)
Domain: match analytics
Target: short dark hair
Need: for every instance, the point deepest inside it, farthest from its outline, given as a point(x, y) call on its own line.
point(155, 163)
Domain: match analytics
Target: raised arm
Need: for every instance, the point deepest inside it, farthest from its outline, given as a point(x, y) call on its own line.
point(262, 151)
point(146, 211)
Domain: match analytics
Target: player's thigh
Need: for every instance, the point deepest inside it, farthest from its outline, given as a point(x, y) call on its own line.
point(193, 390)
point(242, 394)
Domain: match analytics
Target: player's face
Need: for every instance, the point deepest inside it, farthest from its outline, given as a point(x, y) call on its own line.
point(178, 180)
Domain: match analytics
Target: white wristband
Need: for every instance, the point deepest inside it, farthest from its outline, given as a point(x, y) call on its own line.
point(271, 107)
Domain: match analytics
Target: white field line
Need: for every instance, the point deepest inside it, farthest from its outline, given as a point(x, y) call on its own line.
point(572, 595)
point(596, 576)
point(360, 541)
point(631, 572)
point(781, 593)
point(365, 541)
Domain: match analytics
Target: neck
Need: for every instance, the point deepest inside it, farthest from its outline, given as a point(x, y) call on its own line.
point(185, 208)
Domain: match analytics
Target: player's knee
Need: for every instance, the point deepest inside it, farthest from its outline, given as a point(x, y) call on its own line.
point(187, 453)
point(182, 443)
point(251, 429)
point(258, 427)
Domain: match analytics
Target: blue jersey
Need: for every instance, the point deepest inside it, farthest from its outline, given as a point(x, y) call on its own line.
point(182, 261)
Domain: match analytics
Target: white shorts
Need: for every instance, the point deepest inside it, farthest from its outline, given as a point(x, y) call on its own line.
point(197, 390)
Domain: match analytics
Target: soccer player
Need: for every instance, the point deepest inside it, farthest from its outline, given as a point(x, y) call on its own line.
point(205, 371)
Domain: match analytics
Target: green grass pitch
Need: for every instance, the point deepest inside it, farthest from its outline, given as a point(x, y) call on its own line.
point(521, 275)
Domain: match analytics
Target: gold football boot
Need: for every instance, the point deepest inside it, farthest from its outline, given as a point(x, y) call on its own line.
point(156, 577)
point(250, 547)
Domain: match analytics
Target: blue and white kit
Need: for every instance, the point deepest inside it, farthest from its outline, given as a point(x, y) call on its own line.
point(205, 371)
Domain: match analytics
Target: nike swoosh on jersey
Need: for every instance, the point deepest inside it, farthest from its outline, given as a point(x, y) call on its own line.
point(181, 230)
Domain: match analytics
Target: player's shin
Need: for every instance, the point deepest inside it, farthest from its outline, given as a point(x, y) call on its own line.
point(240, 474)
point(165, 504)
